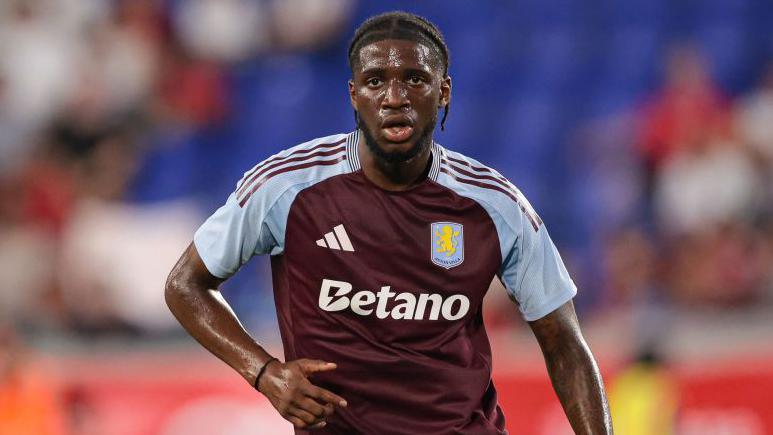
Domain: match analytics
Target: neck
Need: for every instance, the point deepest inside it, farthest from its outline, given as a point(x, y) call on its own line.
point(394, 176)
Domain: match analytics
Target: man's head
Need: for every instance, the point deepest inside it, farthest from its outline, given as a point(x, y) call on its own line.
point(400, 79)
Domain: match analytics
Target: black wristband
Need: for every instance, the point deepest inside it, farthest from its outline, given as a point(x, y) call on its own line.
point(261, 371)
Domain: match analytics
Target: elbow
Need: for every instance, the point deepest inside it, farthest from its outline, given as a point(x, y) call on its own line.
point(187, 284)
point(173, 290)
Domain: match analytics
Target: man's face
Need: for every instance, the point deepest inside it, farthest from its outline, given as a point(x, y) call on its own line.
point(397, 89)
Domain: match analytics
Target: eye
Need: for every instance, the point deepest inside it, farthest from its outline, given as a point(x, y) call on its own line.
point(415, 80)
point(374, 82)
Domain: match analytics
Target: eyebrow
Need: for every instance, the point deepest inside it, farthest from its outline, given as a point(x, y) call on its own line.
point(373, 71)
point(420, 71)
point(379, 71)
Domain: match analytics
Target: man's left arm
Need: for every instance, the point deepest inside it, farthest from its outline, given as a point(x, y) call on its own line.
point(573, 371)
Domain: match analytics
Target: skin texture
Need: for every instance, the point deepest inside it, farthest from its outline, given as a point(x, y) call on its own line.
point(392, 79)
point(573, 371)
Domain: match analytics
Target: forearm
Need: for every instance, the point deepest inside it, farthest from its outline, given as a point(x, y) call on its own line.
point(573, 371)
point(580, 388)
point(203, 312)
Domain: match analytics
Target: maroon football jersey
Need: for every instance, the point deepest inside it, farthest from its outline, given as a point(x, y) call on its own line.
point(389, 285)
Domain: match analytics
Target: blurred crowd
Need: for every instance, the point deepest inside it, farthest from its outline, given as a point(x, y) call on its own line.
point(694, 224)
point(86, 89)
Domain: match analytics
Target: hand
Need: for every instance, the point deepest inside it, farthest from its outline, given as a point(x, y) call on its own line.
point(298, 401)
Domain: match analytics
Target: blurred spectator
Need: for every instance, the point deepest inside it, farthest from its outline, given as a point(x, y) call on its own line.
point(720, 267)
point(682, 114)
point(754, 120)
point(631, 268)
point(309, 24)
point(710, 183)
point(28, 398)
point(121, 67)
point(109, 279)
point(635, 281)
point(223, 30)
point(38, 60)
point(115, 258)
point(644, 399)
point(27, 257)
point(190, 91)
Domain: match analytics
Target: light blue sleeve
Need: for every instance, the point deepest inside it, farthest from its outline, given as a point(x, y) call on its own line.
point(532, 269)
point(233, 234)
point(253, 221)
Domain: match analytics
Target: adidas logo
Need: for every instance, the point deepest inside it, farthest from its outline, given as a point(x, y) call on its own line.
point(336, 239)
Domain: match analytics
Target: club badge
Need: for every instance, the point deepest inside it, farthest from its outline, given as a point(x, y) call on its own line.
point(447, 244)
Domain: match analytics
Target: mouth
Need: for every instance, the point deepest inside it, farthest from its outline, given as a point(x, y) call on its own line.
point(397, 129)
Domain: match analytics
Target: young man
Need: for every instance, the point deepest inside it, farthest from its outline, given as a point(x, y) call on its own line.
point(383, 244)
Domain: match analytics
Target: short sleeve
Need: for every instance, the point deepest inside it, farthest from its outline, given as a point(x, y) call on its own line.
point(532, 269)
point(234, 233)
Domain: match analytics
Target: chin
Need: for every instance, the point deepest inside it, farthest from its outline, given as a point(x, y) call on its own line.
point(398, 153)
point(400, 147)
point(395, 152)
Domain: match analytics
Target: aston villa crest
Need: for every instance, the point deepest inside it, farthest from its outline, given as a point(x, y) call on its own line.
point(447, 244)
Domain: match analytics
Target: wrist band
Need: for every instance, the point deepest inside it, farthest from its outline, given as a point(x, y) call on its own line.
point(261, 371)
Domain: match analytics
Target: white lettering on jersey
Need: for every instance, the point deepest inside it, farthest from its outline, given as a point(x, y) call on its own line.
point(407, 307)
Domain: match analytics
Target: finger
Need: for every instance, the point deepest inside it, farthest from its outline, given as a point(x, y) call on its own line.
point(310, 366)
point(319, 425)
point(313, 407)
point(303, 415)
point(330, 409)
point(323, 395)
point(328, 404)
point(297, 422)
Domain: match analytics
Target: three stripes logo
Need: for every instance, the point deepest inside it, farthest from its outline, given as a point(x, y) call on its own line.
point(337, 240)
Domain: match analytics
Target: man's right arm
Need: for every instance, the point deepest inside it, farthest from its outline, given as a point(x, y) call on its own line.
point(192, 296)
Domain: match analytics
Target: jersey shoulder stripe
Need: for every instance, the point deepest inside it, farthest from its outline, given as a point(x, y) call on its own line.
point(464, 170)
point(303, 165)
point(325, 151)
point(477, 167)
point(286, 157)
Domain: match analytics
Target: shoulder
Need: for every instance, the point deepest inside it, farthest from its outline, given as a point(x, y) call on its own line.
point(473, 179)
point(304, 164)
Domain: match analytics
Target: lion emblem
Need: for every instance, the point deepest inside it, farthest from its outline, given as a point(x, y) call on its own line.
point(447, 240)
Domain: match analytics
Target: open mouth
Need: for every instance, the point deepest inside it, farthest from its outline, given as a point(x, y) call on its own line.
point(397, 129)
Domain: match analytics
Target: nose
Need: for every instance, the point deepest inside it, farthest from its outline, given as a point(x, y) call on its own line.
point(396, 96)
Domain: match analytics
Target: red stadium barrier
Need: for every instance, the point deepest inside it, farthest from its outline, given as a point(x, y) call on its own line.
point(198, 395)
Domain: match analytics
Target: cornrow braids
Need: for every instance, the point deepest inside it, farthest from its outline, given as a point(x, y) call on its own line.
point(399, 25)
point(405, 26)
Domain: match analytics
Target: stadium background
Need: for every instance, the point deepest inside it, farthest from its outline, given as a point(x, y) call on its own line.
point(642, 131)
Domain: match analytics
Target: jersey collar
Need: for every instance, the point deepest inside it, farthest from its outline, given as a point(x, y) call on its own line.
point(352, 152)
point(353, 155)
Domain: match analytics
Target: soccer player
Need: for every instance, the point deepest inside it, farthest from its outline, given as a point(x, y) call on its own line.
point(383, 244)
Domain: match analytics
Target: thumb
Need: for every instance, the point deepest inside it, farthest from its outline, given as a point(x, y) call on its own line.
point(310, 366)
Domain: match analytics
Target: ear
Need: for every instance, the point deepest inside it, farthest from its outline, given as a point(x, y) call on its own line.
point(352, 100)
point(445, 91)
